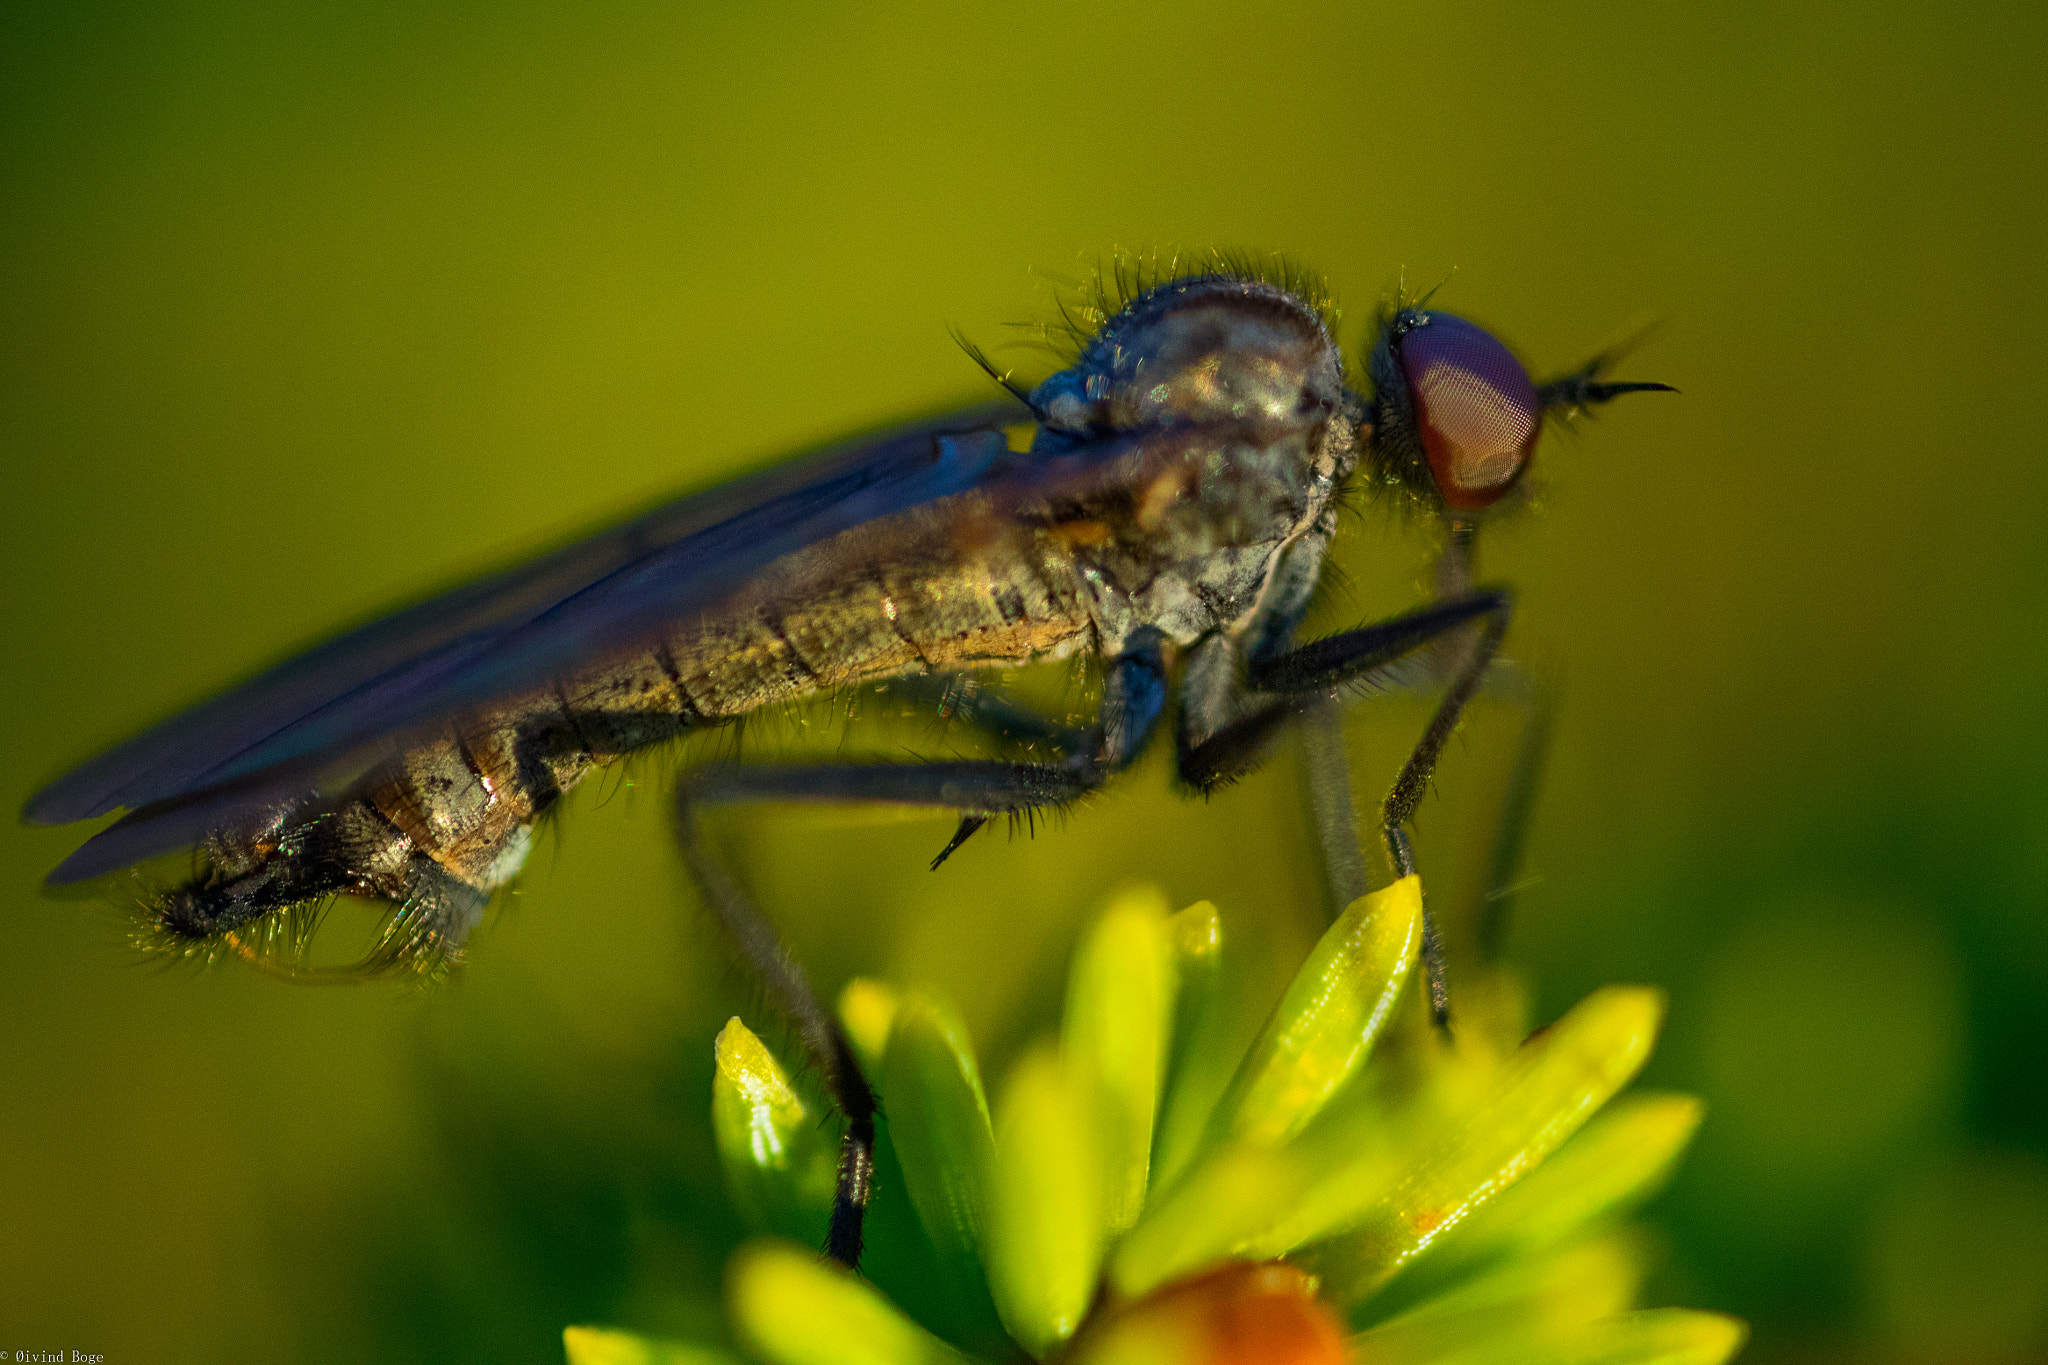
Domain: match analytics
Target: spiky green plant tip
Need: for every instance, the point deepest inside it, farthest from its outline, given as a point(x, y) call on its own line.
point(1354, 1186)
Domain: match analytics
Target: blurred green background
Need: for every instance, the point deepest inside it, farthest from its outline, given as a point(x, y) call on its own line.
point(307, 309)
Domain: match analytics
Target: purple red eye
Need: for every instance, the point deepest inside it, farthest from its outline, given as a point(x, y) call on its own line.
point(1476, 408)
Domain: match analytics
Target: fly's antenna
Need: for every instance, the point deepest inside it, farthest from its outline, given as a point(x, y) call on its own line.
point(1571, 394)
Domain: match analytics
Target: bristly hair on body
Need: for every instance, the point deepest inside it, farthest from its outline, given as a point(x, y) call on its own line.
point(408, 939)
point(280, 943)
point(1084, 305)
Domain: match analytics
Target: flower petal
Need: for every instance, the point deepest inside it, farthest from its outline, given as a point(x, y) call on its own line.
point(938, 1119)
point(1045, 1228)
point(1390, 1183)
point(1241, 1314)
point(1540, 1097)
point(1621, 1157)
point(1202, 1058)
point(777, 1163)
point(868, 1010)
point(1327, 1021)
point(1586, 1281)
point(1211, 1217)
point(1119, 1021)
point(603, 1346)
point(1659, 1336)
point(792, 1308)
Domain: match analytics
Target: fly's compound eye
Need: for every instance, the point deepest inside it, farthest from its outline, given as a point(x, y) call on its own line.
point(1476, 409)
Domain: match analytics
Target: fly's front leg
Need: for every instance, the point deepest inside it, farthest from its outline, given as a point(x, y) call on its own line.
point(1281, 685)
point(1536, 705)
point(1134, 695)
point(1327, 768)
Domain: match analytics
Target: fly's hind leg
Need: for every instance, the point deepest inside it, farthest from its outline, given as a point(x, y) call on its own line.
point(823, 1039)
point(1134, 695)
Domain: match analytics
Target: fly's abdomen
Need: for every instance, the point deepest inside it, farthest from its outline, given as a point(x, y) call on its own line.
point(992, 610)
point(463, 803)
point(876, 602)
point(468, 801)
point(450, 819)
point(433, 832)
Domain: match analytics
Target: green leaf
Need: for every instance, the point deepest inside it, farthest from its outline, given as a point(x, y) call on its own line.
point(794, 1308)
point(1119, 1021)
point(1325, 1024)
point(603, 1346)
point(1044, 1243)
point(938, 1119)
point(1660, 1336)
point(1656, 1336)
point(1442, 1172)
point(1202, 1058)
point(778, 1163)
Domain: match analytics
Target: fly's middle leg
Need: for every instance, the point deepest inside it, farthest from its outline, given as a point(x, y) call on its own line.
point(1134, 697)
point(957, 699)
point(1327, 768)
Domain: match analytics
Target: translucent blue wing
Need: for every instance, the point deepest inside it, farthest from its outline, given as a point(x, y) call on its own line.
point(520, 626)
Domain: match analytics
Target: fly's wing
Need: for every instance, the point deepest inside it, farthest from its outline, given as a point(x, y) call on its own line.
point(323, 719)
point(323, 695)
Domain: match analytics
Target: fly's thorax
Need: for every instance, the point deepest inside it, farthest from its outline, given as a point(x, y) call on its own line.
point(1235, 388)
point(1204, 349)
point(1197, 550)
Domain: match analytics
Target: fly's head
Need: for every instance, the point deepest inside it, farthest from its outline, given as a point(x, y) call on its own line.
point(1455, 416)
point(1231, 391)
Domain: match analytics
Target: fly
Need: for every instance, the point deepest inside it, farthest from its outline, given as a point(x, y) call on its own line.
point(1168, 521)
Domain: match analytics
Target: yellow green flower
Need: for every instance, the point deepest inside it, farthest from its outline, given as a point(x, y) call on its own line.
point(1356, 1186)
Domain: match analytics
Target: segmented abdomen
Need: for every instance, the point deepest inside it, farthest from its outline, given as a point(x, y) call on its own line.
point(451, 819)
